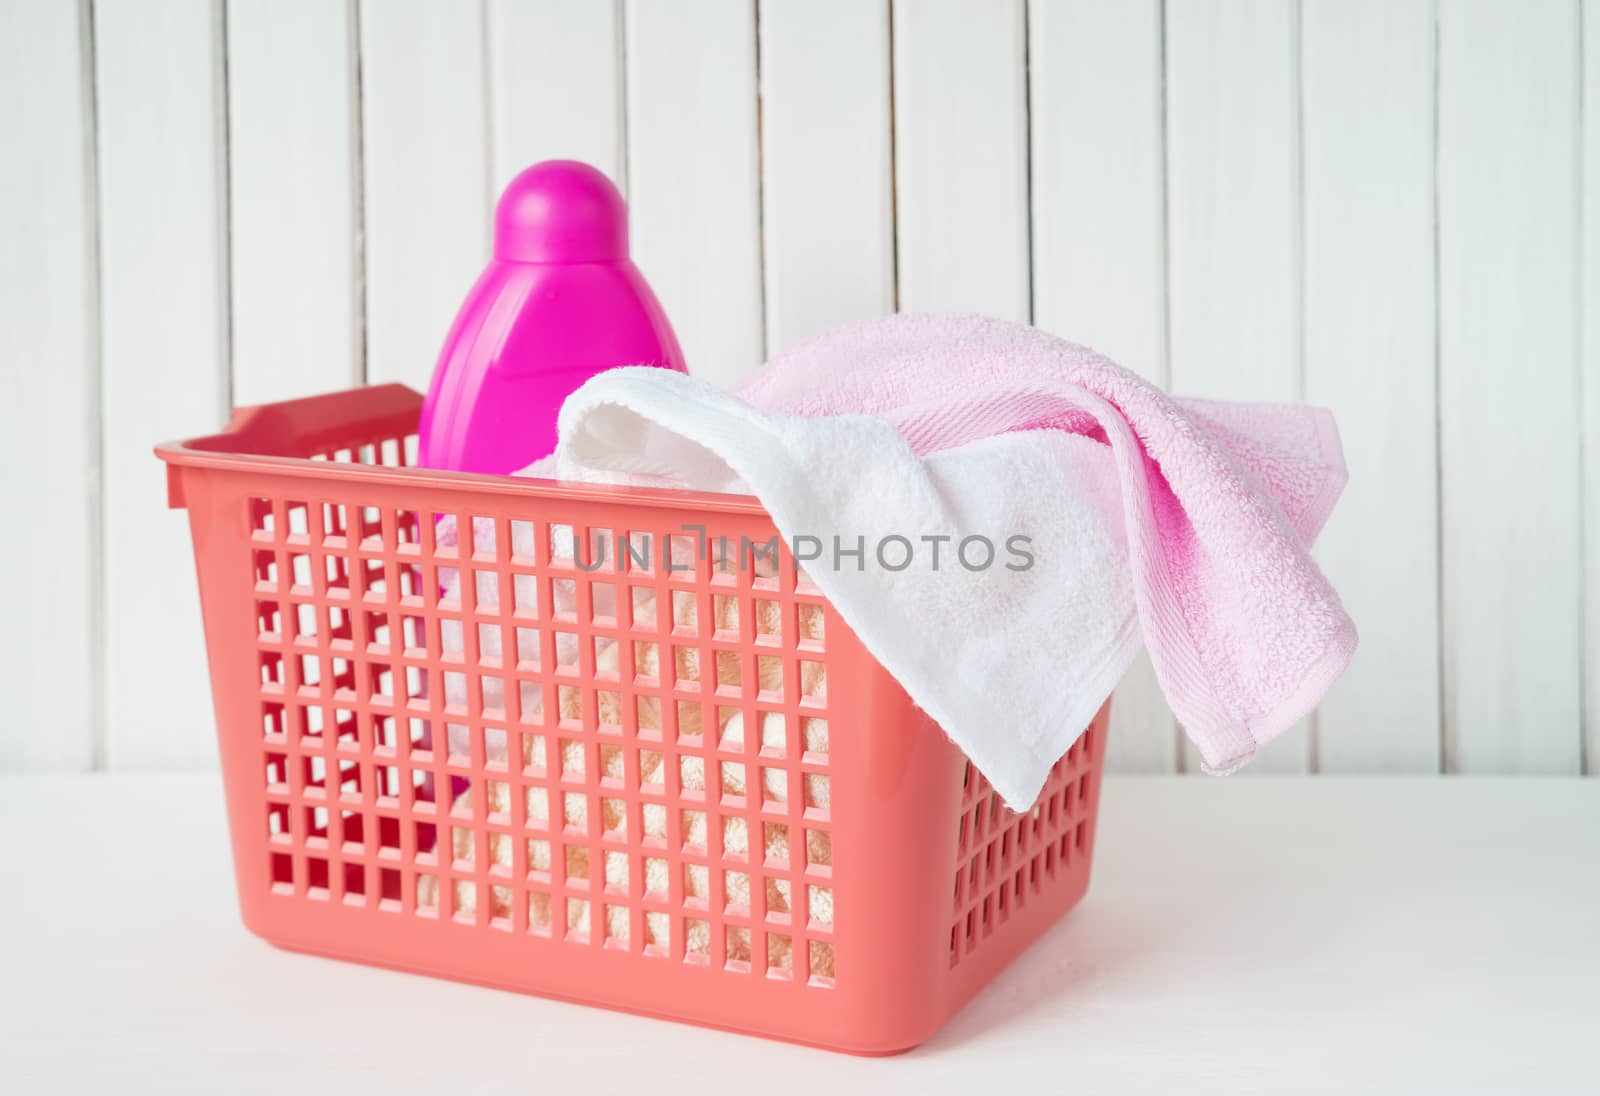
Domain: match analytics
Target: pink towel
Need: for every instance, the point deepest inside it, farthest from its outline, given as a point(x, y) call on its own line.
point(1220, 500)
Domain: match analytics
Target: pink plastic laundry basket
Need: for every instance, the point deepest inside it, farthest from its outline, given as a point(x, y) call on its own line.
point(843, 877)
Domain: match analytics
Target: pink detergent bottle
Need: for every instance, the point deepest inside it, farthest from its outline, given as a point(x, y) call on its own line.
point(559, 302)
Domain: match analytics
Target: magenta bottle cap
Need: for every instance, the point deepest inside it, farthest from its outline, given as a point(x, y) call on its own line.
point(561, 211)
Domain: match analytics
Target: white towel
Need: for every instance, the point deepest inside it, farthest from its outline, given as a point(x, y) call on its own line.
point(1010, 651)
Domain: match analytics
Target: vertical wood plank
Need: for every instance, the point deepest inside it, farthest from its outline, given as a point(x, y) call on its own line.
point(961, 153)
point(556, 74)
point(163, 303)
point(47, 422)
point(1590, 213)
point(1099, 239)
point(828, 217)
point(693, 175)
point(293, 198)
point(1369, 343)
point(425, 177)
point(1234, 221)
point(1508, 385)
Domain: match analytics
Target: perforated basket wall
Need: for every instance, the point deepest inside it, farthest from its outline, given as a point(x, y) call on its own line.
point(662, 776)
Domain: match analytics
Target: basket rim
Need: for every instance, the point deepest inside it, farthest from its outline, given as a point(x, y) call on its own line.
point(237, 448)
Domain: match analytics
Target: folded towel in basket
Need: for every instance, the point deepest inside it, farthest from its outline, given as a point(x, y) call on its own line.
point(998, 514)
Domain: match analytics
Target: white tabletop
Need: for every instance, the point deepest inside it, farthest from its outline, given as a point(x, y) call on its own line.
point(1252, 934)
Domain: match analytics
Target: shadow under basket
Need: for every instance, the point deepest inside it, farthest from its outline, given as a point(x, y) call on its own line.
point(723, 812)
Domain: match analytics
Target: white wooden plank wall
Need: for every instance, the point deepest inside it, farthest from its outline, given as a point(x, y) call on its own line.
point(293, 176)
point(1100, 241)
point(1233, 214)
point(1388, 207)
point(1368, 116)
point(49, 439)
point(164, 352)
point(425, 177)
point(1509, 385)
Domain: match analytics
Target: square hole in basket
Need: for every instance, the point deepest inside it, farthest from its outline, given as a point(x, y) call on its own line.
point(685, 613)
point(656, 932)
point(389, 889)
point(647, 712)
point(603, 598)
point(461, 843)
point(523, 542)
point(738, 944)
point(725, 610)
point(575, 860)
point(527, 651)
point(819, 904)
point(652, 769)
point(693, 828)
point(613, 764)
point(261, 519)
point(427, 837)
point(608, 710)
point(689, 721)
point(539, 913)
point(316, 876)
point(774, 733)
point(685, 663)
point(816, 792)
point(736, 888)
point(735, 837)
point(691, 773)
point(538, 855)
point(769, 617)
point(536, 802)
point(646, 662)
point(305, 620)
point(779, 902)
point(272, 670)
point(616, 869)
point(266, 568)
point(696, 940)
point(643, 599)
point(774, 786)
point(769, 675)
point(819, 848)
point(277, 819)
point(654, 817)
point(533, 753)
point(821, 962)
point(617, 925)
point(427, 894)
point(388, 836)
point(575, 811)
point(614, 816)
point(730, 673)
point(733, 779)
point(571, 758)
point(314, 772)
point(269, 621)
point(656, 879)
point(780, 955)
point(578, 919)
point(730, 723)
point(775, 842)
point(274, 721)
point(815, 733)
point(498, 793)
point(385, 734)
point(524, 597)
point(697, 883)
